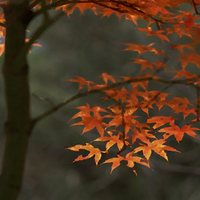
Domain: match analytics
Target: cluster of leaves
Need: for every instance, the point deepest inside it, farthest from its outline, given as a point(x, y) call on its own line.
point(117, 124)
point(121, 114)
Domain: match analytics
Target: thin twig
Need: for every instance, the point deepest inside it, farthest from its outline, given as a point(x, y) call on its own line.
point(51, 104)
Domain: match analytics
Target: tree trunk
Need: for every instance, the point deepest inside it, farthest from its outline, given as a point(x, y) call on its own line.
point(16, 85)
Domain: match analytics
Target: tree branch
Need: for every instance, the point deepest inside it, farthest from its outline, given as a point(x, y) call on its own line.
point(41, 30)
point(65, 2)
point(126, 4)
point(36, 35)
point(46, 14)
point(35, 3)
point(46, 24)
point(94, 91)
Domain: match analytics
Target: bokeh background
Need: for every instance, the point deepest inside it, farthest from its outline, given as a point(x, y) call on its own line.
point(88, 45)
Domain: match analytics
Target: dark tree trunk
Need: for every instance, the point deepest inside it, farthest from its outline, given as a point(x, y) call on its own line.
point(16, 86)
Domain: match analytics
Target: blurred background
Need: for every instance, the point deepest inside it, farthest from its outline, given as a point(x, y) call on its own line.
point(88, 45)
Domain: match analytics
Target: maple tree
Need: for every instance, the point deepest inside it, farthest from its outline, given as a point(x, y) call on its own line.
point(117, 124)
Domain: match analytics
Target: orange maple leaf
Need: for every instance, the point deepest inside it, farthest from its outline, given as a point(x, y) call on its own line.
point(180, 48)
point(81, 82)
point(179, 132)
point(90, 122)
point(158, 33)
point(86, 111)
point(157, 146)
point(142, 134)
point(142, 48)
point(116, 115)
point(113, 139)
point(190, 58)
point(130, 161)
point(97, 153)
point(183, 73)
point(115, 161)
point(160, 121)
point(107, 77)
